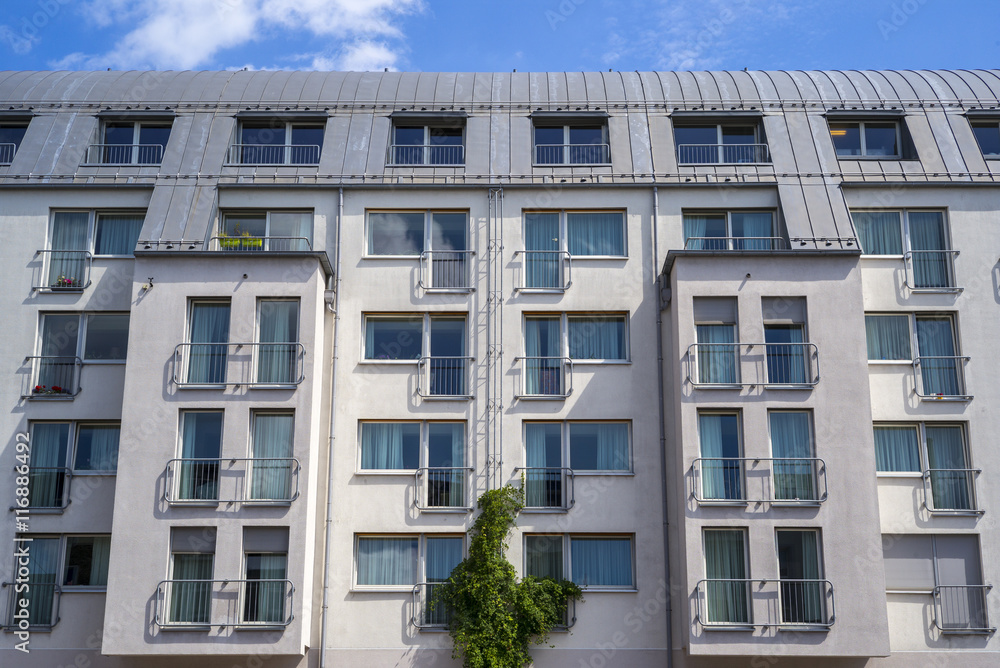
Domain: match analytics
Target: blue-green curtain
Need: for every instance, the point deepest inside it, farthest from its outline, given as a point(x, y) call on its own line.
point(209, 343)
point(544, 557)
point(201, 440)
point(43, 562)
point(601, 562)
point(273, 436)
point(279, 336)
point(888, 337)
point(542, 269)
point(928, 240)
point(97, 447)
point(446, 454)
point(543, 454)
point(705, 232)
point(717, 354)
point(289, 231)
point(951, 487)
point(596, 337)
point(897, 448)
point(47, 480)
point(595, 233)
point(787, 358)
point(264, 597)
point(69, 233)
point(191, 598)
point(722, 474)
point(753, 230)
point(60, 332)
point(791, 439)
point(387, 560)
point(117, 234)
point(935, 339)
point(390, 445)
point(879, 232)
point(443, 554)
point(727, 594)
point(598, 446)
point(542, 339)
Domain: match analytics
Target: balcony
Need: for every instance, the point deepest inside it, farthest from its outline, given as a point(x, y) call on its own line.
point(728, 604)
point(52, 377)
point(722, 154)
point(572, 154)
point(931, 271)
point(446, 271)
point(962, 609)
point(64, 270)
point(273, 154)
point(253, 244)
point(444, 377)
point(255, 365)
point(404, 155)
point(545, 271)
point(775, 480)
point(7, 152)
point(773, 365)
point(428, 612)
point(951, 491)
point(246, 481)
point(548, 488)
point(545, 377)
point(37, 606)
point(198, 605)
point(124, 154)
point(442, 489)
point(735, 243)
point(49, 488)
point(940, 377)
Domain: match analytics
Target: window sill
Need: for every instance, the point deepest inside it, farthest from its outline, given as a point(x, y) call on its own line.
point(104, 362)
point(395, 589)
point(873, 157)
point(84, 589)
point(804, 628)
point(619, 474)
point(574, 258)
point(886, 256)
point(727, 627)
point(609, 362)
point(95, 474)
point(175, 627)
point(390, 257)
point(259, 627)
point(401, 362)
point(891, 362)
point(956, 513)
point(729, 164)
point(723, 503)
point(597, 589)
point(571, 164)
point(387, 472)
point(916, 475)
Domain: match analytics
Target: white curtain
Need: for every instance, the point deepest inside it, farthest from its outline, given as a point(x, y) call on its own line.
point(595, 446)
point(696, 231)
point(191, 598)
point(752, 229)
point(279, 334)
point(542, 340)
point(727, 596)
point(272, 443)
point(46, 476)
point(928, 240)
point(596, 337)
point(786, 358)
point(69, 233)
point(888, 337)
point(543, 262)
point(117, 234)
point(201, 440)
point(595, 233)
point(97, 448)
point(290, 231)
point(939, 370)
point(390, 445)
point(100, 558)
point(209, 339)
point(951, 486)
point(264, 599)
point(791, 440)
point(878, 232)
point(543, 456)
point(722, 474)
point(717, 354)
point(601, 562)
point(387, 560)
point(897, 448)
point(43, 560)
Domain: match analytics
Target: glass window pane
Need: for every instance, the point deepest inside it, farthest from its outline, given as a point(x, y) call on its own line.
point(792, 447)
point(596, 233)
point(446, 444)
point(409, 135)
point(548, 135)
point(307, 135)
point(152, 141)
point(118, 133)
point(387, 560)
point(897, 448)
point(393, 338)
point(268, 134)
point(987, 134)
point(888, 337)
point(543, 556)
point(97, 447)
point(543, 479)
point(879, 232)
point(446, 136)
point(395, 233)
point(601, 562)
point(696, 134)
point(10, 134)
point(846, 139)
point(705, 231)
point(245, 225)
point(191, 593)
point(742, 134)
point(46, 475)
point(596, 337)
point(586, 134)
point(390, 445)
point(36, 604)
point(443, 554)
point(721, 468)
point(727, 594)
point(107, 337)
point(59, 335)
point(596, 446)
point(290, 231)
point(264, 594)
point(117, 234)
point(448, 231)
point(880, 139)
point(87, 561)
point(447, 337)
point(909, 562)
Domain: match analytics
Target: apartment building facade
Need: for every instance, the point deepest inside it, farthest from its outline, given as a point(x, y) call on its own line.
point(269, 335)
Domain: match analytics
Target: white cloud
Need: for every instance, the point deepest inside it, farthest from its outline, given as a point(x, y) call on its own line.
point(186, 34)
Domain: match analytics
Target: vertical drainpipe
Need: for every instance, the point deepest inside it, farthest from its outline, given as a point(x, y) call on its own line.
point(333, 421)
point(657, 284)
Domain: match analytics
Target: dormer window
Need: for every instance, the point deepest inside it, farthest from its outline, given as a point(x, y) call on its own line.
point(277, 141)
point(130, 142)
point(872, 135)
point(11, 135)
point(719, 144)
point(571, 139)
point(987, 136)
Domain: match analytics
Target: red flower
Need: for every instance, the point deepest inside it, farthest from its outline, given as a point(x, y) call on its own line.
point(56, 388)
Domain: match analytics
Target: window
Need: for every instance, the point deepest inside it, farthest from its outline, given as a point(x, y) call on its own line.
point(87, 561)
point(189, 590)
point(272, 450)
point(731, 230)
point(75, 237)
point(435, 449)
point(265, 573)
point(803, 594)
point(439, 238)
point(432, 144)
point(274, 231)
point(920, 236)
point(11, 135)
point(65, 338)
point(208, 347)
point(717, 341)
point(576, 144)
point(554, 450)
point(553, 342)
point(794, 453)
point(727, 587)
point(593, 562)
point(97, 447)
point(48, 479)
point(721, 464)
point(720, 144)
point(946, 566)
point(278, 356)
point(277, 142)
point(941, 372)
point(866, 139)
point(36, 603)
point(987, 135)
point(900, 448)
point(201, 446)
point(397, 562)
point(788, 355)
point(130, 143)
point(411, 338)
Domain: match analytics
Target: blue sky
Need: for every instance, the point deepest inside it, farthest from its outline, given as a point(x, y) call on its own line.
point(495, 35)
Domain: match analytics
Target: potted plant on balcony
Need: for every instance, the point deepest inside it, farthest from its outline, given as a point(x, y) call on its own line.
point(239, 240)
point(42, 390)
point(63, 283)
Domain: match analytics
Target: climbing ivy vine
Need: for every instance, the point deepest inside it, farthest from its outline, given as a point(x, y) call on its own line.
point(495, 618)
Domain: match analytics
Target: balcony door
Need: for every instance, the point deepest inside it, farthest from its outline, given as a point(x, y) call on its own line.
point(727, 590)
point(69, 244)
point(543, 479)
point(209, 343)
point(802, 593)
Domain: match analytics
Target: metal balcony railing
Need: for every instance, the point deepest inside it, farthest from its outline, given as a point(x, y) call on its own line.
point(962, 609)
point(735, 243)
point(426, 154)
point(441, 377)
point(124, 154)
point(572, 154)
point(38, 605)
point(49, 487)
point(446, 271)
point(7, 152)
point(774, 365)
point(549, 488)
point(545, 377)
point(546, 271)
point(255, 364)
point(52, 377)
point(715, 154)
point(442, 488)
point(243, 480)
point(951, 490)
point(273, 154)
point(250, 244)
point(930, 271)
point(200, 604)
point(779, 480)
point(940, 377)
point(428, 611)
point(729, 603)
point(64, 270)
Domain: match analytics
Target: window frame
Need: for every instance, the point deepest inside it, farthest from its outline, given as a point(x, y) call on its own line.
point(425, 332)
point(934, 563)
point(564, 215)
point(64, 562)
point(137, 127)
point(421, 566)
point(567, 555)
point(912, 317)
point(13, 125)
point(904, 228)
point(737, 413)
point(83, 325)
point(428, 240)
point(922, 455)
point(267, 238)
point(428, 128)
point(259, 344)
point(93, 220)
point(567, 128)
point(729, 237)
point(758, 139)
point(862, 143)
point(565, 452)
point(423, 454)
point(564, 318)
point(288, 126)
point(72, 441)
point(985, 123)
point(744, 532)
